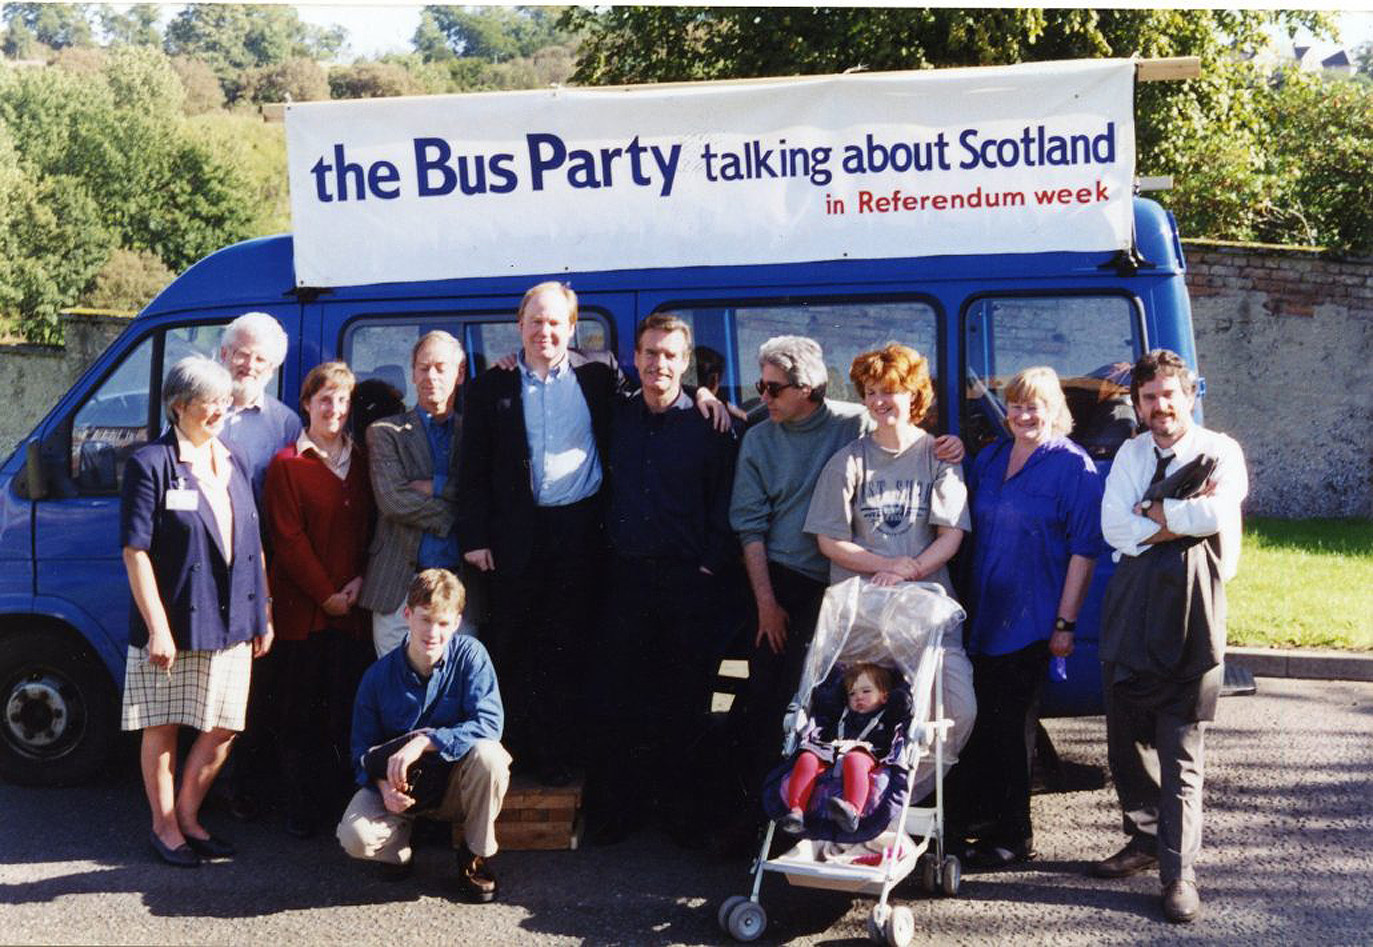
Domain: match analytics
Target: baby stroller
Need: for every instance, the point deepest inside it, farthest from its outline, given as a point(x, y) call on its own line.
point(900, 627)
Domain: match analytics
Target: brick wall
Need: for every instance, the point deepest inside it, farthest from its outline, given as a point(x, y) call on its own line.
point(1285, 341)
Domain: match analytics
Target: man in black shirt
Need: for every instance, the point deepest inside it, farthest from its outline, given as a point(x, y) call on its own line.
point(670, 474)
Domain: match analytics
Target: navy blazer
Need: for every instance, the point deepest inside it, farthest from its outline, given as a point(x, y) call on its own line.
point(495, 498)
point(210, 604)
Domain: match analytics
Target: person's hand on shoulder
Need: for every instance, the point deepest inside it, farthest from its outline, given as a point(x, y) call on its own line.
point(949, 448)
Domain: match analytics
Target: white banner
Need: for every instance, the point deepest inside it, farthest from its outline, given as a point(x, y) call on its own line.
point(1014, 159)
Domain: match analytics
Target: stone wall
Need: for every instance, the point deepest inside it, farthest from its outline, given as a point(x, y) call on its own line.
point(33, 377)
point(1284, 342)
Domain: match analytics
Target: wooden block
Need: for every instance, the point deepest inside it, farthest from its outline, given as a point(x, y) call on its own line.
point(528, 836)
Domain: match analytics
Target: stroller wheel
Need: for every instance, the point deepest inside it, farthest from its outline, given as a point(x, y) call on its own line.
point(877, 923)
point(900, 928)
point(952, 875)
point(730, 903)
point(928, 868)
point(747, 921)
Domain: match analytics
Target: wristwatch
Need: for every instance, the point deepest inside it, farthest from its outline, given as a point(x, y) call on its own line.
point(1063, 624)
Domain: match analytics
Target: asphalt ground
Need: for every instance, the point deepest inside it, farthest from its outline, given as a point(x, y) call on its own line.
point(1288, 859)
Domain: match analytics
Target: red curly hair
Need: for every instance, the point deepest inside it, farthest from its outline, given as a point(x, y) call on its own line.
point(898, 367)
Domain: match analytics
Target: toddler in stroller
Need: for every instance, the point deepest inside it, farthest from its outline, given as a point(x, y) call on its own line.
point(873, 715)
point(911, 628)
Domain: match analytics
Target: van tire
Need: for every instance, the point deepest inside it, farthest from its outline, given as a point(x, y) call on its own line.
point(58, 709)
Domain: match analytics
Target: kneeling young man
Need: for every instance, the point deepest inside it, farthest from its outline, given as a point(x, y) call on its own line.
point(426, 742)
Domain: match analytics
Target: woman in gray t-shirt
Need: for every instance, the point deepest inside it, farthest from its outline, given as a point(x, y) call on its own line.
point(885, 506)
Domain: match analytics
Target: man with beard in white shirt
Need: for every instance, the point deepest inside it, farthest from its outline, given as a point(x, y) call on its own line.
point(1163, 625)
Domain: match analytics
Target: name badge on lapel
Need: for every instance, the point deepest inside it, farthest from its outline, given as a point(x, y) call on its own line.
point(185, 500)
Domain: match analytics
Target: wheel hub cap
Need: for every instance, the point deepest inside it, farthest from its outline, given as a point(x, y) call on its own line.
point(36, 714)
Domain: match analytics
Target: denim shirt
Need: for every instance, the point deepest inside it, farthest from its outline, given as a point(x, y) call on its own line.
point(438, 552)
point(564, 464)
point(1024, 531)
point(457, 705)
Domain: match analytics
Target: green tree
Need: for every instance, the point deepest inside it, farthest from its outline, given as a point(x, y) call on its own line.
point(128, 280)
point(233, 37)
point(371, 80)
point(1362, 55)
point(493, 34)
point(430, 42)
point(202, 89)
point(51, 242)
point(18, 41)
point(296, 80)
point(55, 25)
point(136, 26)
point(1319, 133)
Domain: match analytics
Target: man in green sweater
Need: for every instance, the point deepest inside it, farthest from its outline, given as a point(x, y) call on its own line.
point(779, 462)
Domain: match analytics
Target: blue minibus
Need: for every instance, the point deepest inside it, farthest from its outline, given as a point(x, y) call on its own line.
point(64, 597)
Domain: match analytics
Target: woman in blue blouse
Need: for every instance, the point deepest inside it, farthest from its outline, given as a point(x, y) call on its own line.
point(1036, 510)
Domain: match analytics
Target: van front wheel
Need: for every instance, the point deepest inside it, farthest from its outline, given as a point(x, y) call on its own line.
point(58, 720)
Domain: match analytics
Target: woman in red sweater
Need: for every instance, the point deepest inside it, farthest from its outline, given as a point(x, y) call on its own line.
point(318, 501)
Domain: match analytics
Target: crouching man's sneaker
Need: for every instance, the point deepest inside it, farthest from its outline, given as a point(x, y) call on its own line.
point(475, 881)
point(1181, 902)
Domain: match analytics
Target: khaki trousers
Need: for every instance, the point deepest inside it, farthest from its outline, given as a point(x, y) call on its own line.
point(471, 803)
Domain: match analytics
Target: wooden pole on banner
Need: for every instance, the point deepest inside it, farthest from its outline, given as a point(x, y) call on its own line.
point(1169, 69)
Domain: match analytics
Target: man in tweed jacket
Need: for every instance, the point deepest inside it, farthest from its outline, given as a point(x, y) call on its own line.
point(412, 458)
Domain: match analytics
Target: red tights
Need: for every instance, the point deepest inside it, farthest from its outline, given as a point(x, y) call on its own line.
point(858, 766)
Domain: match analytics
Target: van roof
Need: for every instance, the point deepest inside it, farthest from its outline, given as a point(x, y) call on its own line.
point(260, 272)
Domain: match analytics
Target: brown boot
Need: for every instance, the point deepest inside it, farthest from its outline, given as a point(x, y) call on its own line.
point(475, 881)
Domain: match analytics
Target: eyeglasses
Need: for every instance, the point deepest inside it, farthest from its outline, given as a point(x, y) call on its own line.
point(772, 388)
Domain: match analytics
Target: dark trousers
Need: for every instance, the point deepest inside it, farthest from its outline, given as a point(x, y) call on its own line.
point(652, 690)
point(773, 678)
point(1156, 762)
point(540, 636)
point(316, 688)
point(991, 792)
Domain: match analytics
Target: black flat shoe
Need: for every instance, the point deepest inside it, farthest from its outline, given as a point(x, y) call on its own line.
point(211, 848)
point(180, 857)
point(989, 857)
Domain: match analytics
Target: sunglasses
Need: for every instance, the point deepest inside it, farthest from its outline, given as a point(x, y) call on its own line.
point(773, 388)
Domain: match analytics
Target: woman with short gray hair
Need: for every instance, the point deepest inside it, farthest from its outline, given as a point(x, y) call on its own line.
point(193, 552)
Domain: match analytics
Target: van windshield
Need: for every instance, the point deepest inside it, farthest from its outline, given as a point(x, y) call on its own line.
point(1090, 341)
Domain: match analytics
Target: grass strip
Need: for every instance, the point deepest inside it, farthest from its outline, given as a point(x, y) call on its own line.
point(1304, 584)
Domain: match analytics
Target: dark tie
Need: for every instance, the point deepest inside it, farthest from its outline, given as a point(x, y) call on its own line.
point(1163, 461)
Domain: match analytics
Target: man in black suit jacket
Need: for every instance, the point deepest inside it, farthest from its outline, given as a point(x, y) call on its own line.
point(530, 504)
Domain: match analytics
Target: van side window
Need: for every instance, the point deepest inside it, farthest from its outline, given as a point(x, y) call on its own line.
point(1090, 341)
point(380, 348)
point(843, 329)
point(202, 339)
point(122, 414)
point(112, 423)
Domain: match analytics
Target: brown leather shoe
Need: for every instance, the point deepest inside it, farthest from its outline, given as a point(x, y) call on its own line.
point(1124, 863)
point(1181, 902)
point(475, 881)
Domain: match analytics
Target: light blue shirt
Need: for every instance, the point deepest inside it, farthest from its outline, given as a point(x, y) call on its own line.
point(563, 463)
point(259, 431)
